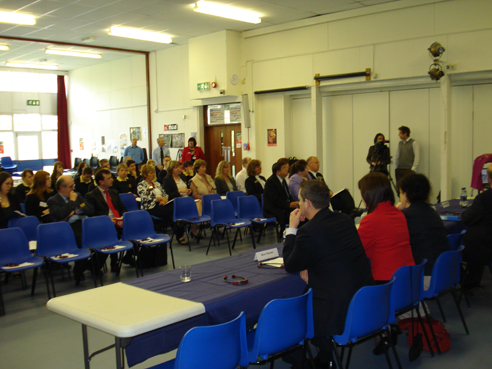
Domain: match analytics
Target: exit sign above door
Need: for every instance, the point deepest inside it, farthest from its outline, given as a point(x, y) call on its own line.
point(203, 86)
point(33, 102)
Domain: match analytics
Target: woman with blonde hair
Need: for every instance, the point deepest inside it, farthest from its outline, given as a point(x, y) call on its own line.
point(37, 198)
point(224, 182)
point(201, 183)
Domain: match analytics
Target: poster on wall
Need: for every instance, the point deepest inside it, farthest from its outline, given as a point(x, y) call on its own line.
point(81, 144)
point(135, 132)
point(235, 113)
point(111, 147)
point(239, 140)
point(178, 140)
point(216, 115)
point(167, 139)
point(272, 137)
point(123, 142)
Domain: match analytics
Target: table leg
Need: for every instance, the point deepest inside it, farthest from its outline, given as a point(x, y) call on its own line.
point(118, 352)
point(87, 363)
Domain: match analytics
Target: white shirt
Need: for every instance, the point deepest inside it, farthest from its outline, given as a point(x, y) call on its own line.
point(241, 179)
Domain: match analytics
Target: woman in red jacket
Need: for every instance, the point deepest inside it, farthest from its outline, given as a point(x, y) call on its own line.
point(192, 152)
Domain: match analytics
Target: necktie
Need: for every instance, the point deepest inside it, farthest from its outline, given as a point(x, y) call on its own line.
point(111, 206)
point(162, 157)
point(286, 188)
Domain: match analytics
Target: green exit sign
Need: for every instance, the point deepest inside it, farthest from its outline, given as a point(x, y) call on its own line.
point(203, 86)
point(33, 102)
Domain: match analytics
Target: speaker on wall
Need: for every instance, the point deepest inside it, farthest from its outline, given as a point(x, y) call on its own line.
point(245, 113)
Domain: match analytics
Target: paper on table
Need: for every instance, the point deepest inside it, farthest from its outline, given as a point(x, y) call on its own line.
point(18, 266)
point(63, 256)
point(277, 263)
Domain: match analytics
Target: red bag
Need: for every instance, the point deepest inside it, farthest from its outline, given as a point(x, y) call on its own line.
point(442, 335)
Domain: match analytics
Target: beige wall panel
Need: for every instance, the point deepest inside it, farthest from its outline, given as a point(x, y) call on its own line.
point(267, 75)
point(462, 16)
point(470, 51)
point(102, 101)
point(482, 120)
point(139, 96)
point(342, 61)
point(138, 71)
point(99, 75)
point(48, 104)
point(121, 98)
point(297, 71)
point(173, 91)
point(120, 71)
point(303, 130)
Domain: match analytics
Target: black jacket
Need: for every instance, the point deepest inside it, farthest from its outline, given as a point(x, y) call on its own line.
point(254, 187)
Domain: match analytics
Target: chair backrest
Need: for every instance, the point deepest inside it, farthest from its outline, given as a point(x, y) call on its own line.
point(28, 224)
point(184, 208)
point(7, 161)
point(248, 207)
point(23, 207)
point(220, 346)
point(446, 272)
point(222, 212)
point(55, 239)
point(455, 240)
point(98, 232)
point(137, 225)
point(94, 162)
point(207, 203)
point(368, 312)
point(283, 323)
point(343, 201)
point(232, 196)
point(113, 162)
point(129, 201)
point(76, 163)
point(88, 162)
point(408, 288)
point(13, 244)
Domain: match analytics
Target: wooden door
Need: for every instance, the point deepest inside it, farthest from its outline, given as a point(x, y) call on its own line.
point(221, 144)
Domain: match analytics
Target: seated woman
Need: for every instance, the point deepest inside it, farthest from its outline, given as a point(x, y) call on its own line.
point(37, 198)
point(383, 231)
point(80, 168)
point(254, 183)
point(23, 188)
point(9, 202)
point(154, 200)
point(427, 233)
point(188, 171)
point(224, 182)
point(123, 184)
point(174, 185)
point(57, 172)
point(299, 172)
point(201, 183)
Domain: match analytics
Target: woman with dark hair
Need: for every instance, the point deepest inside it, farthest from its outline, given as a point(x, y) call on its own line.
point(378, 156)
point(188, 173)
point(192, 152)
point(224, 182)
point(299, 172)
point(57, 172)
point(254, 183)
point(427, 233)
point(383, 231)
point(174, 183)
point(80, 169)
point(37, 198)
point(22, 189)
point(9, 202)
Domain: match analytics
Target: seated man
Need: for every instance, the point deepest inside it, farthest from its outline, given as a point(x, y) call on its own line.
point(313, 166)
point(69, 206)
point(106, 201)
point(277, 200)
point(329, 255)
point(83, 182)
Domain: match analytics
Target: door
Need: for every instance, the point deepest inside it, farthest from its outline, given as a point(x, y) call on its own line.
point(223, 142)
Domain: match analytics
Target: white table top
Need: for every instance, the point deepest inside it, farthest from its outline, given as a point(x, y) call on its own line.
point(123, 310)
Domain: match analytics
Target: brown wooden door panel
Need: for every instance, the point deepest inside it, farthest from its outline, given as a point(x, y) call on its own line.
point(219, 139)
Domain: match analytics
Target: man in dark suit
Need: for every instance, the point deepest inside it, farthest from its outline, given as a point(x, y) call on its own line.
point(277, 200)
point(107, 201)
point(478, 236)
point(313, 166)
point(329, 255)
point(69, 206)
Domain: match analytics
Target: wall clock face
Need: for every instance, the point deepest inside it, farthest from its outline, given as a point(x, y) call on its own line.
point(234, 79)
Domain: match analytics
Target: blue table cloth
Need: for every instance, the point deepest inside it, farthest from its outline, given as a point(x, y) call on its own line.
point(452, 226)
point(223, 301)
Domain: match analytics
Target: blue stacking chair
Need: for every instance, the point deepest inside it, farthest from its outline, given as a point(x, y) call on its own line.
point(185, 210)
point(284, 324)
point(99, 235)
point(223, 216)
point(138, 227)
point(221, 346)
point(56, 239)
point(207, 203)
point(94, 162)
point(129, 201)
point(248, 207)
point(14, 251)
point(30, 227)
point(445, 277)
point(455, 240)
point(23, 207)
point(232, 196)
point(8, 165)
point(367, 317)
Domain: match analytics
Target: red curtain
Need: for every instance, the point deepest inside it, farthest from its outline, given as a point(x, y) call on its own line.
point(63, 136)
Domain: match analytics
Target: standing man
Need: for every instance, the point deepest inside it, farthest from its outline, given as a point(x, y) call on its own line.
point(407, 156)
point(159, 153)
point(134, 152)
point(329, 255)
point(277, 200)
point(313, 166)
point(242, 175)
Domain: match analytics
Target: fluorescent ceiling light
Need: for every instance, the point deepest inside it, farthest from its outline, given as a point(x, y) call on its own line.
point(30, 65)
point(16, 18)
point(140, 34)
point(80, 54)
point(4, 47)
point(227, 12)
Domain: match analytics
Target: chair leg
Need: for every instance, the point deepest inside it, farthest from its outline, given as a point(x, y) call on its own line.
point(23, 280)
point(235, 237)
point(252, 236)
point(46, 278)
point(349, 355)
point(421, 322)
point(392, 345)
point(228, 242)
point(172, 255)
point(93, 257)
point(310, 353)
point(214, 231)
point(440, 310)
point(387, 354)
point(34, 277)
point(52, 280)
point(427, 313)
point(337, 356)
point(459, 310)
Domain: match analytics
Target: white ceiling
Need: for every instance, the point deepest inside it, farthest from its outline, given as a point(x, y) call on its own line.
point(72, 20)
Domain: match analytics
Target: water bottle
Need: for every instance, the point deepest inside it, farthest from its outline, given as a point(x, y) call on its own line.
point(463, 198)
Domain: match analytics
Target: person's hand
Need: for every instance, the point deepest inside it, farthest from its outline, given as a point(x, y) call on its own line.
point(114, 221)
point(400, 206)
point(47, 211)
point(373, 163)
point(304, 275)
point(160, 167)
point(73, 196)
point(295, 218)
point(163, 201)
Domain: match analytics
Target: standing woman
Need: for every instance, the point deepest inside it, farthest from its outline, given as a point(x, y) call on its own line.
point(201, 183)
point(378, 156)
point(22, 189)
point(224, 182)
point(37, 198)
point(57, 172)
point(254, 183)
point(192, 152)
point(9, 202)
point(299, 172)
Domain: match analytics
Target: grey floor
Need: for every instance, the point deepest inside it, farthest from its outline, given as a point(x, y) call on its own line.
point(33, 337)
